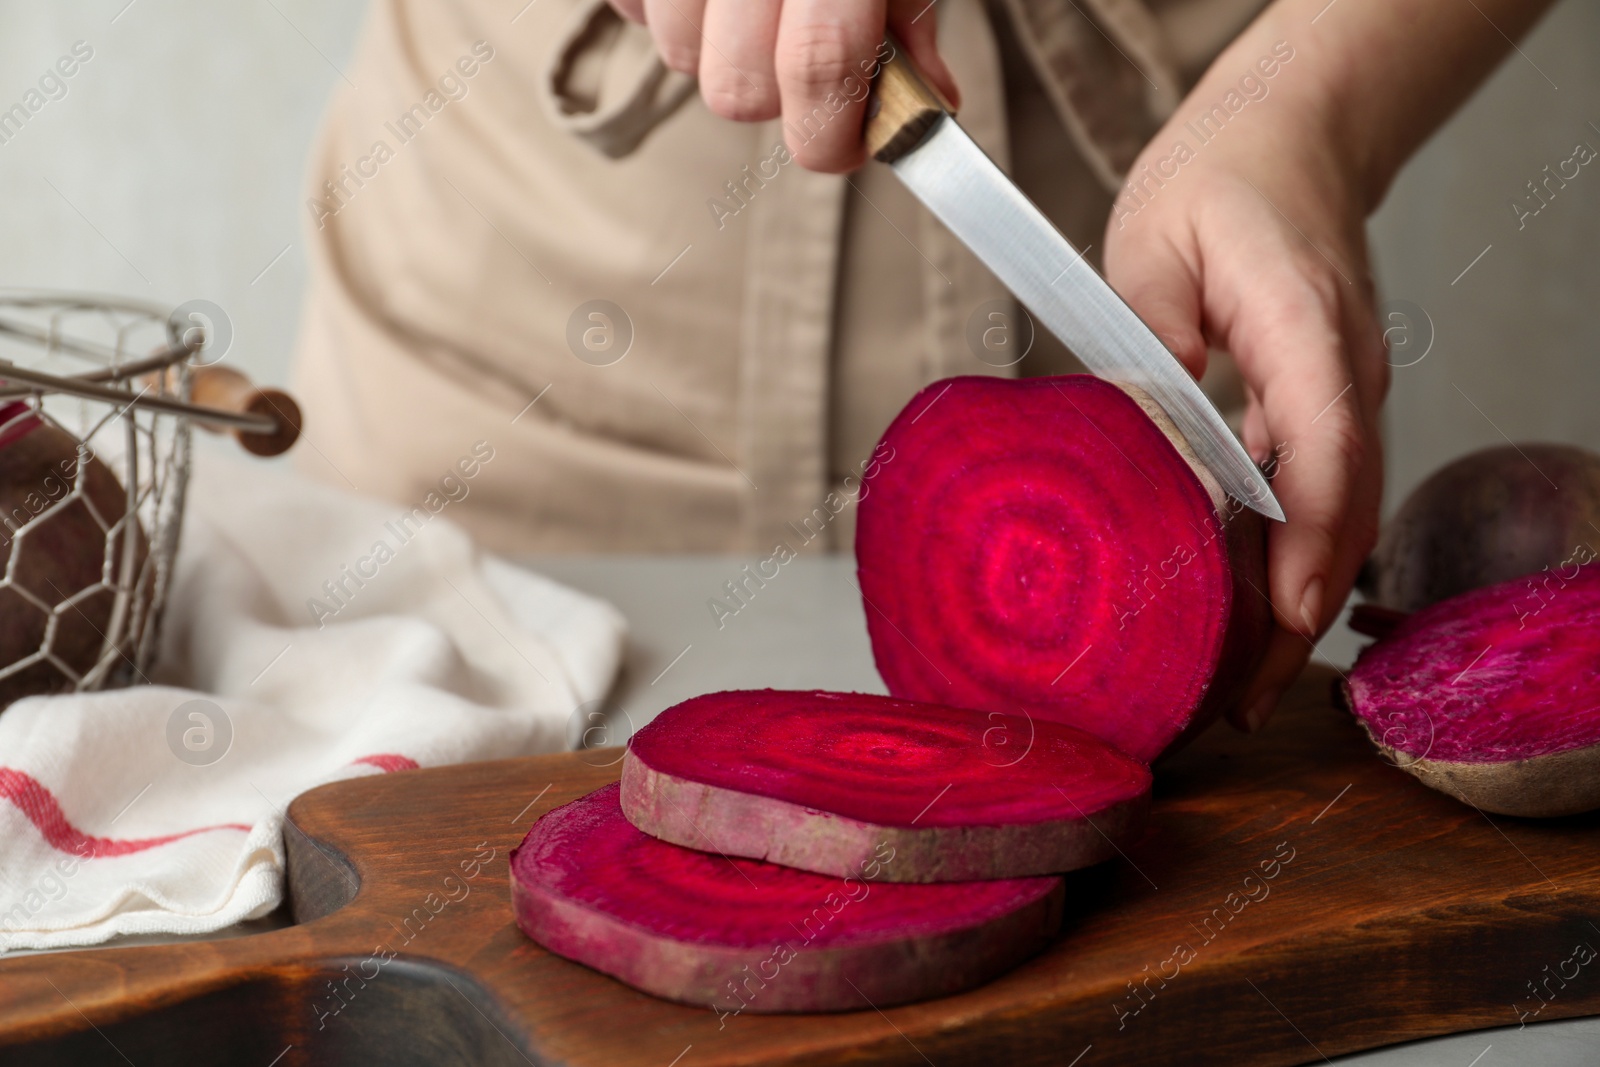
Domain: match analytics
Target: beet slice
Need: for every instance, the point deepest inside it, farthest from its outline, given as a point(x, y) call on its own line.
point(1494, 696)
point(820, 781)
point(1052, 546)
point(740, 935)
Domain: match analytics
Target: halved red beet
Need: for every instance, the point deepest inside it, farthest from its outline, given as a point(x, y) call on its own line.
point(741, 935)
point(1053, 546)
point(1494, 696)
point(820, 781)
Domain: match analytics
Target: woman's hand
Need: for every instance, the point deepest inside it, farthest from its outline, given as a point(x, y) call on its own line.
point(809, 61)
point(1252, 239)
point(1255, 246)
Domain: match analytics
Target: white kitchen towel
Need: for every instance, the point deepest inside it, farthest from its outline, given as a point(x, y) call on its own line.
point(311, 635)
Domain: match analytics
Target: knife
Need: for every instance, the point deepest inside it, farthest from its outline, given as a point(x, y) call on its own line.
point(910, 127)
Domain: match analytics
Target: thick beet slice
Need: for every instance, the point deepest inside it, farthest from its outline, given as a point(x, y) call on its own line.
point(821, 781)
point(741, 935)
point(1494, 696)
point(1051, 546)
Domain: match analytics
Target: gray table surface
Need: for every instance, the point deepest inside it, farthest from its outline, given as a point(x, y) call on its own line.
point(804, 629)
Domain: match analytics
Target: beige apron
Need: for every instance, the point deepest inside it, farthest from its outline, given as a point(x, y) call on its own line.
point(529, 238)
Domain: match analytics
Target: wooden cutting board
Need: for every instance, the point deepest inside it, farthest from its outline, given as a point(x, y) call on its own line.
point(1295, 898)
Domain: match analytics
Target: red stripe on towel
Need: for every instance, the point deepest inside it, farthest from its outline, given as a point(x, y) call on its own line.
point(389, 762)
point(35, 801)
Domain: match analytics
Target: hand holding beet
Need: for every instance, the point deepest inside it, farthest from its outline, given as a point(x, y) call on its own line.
point(1254, 242)
point(1263, 255)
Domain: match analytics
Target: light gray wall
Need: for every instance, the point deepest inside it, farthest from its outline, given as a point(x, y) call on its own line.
point(1518, 335)
point(176, 158)
point(175, 155)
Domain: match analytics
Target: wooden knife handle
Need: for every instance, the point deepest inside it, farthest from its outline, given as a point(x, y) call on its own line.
point(230, 390)
point(903, 107)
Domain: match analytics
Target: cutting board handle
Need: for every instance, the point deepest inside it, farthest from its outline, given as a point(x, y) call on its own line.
point(903, 107)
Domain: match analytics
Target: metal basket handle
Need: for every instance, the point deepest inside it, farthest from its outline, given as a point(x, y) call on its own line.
point(266, 422)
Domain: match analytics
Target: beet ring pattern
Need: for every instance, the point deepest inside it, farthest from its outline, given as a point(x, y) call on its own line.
point(1049, 546)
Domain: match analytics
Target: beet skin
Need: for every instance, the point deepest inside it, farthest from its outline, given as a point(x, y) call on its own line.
point(1486, 518)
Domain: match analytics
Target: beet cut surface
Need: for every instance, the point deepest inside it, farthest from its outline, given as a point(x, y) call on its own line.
point(740, 935)
point(1051, 546)
point(819, 781)
point(1494, 696)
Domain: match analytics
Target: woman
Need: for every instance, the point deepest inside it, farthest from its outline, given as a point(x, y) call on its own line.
point(535, 227)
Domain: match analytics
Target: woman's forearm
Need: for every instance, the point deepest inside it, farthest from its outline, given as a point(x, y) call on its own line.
point(1377, 77)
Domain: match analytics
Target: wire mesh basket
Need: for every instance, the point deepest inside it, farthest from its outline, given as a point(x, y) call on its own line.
point(98, 395)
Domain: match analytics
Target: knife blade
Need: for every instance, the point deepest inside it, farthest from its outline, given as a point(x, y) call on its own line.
point(910, 128)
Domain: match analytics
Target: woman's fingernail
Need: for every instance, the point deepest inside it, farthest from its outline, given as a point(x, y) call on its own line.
point(1311, 605)
point(1256, 715)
